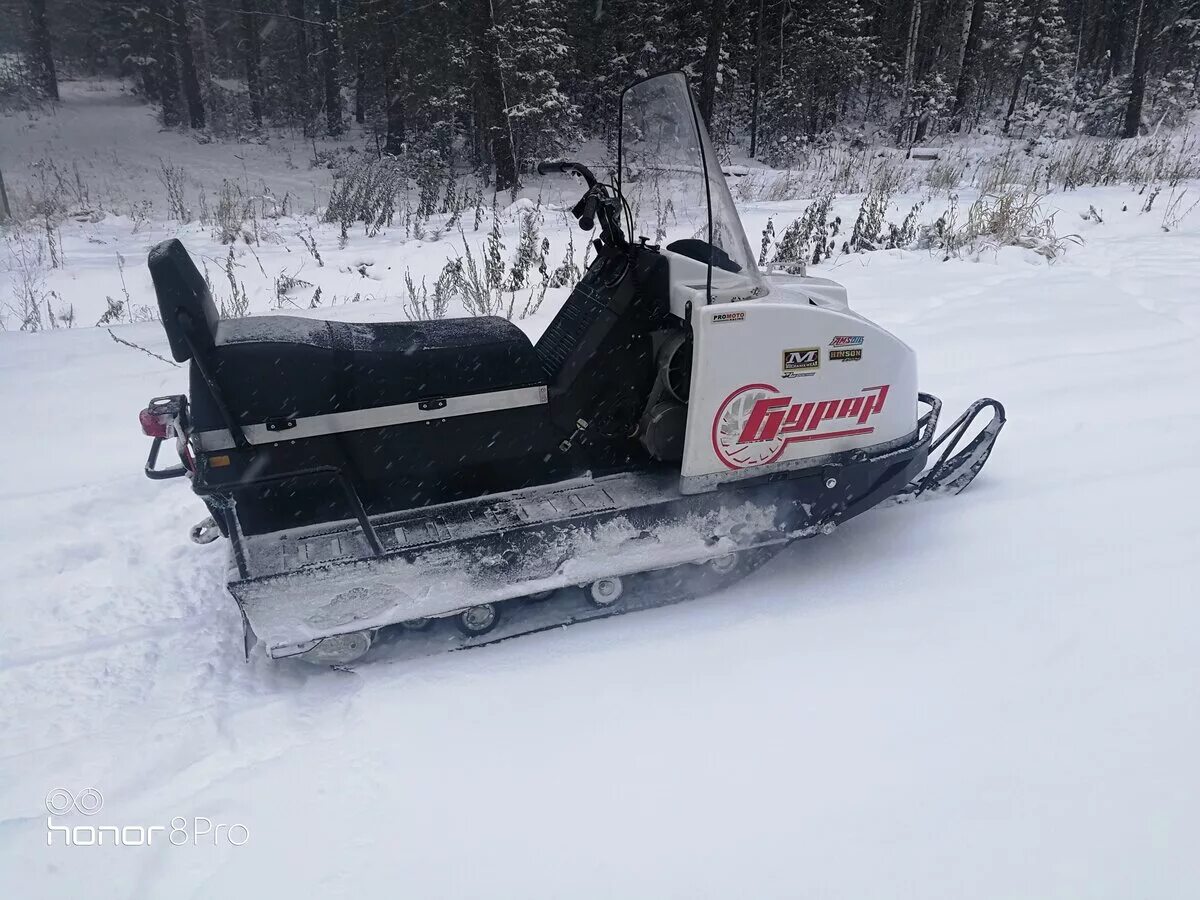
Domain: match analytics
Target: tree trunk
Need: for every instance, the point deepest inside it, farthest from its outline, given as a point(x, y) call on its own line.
point(393, 90)
point(394, 97)
point(1146, 25)
point(481, 153)
point(910, 58)
point(489, 84)
point(200, 33)
point(1114, 35)
point(301, 95)
point(330, 60)
point(252, 52)
point(5, 209)
point(966, 74)
point(757, 80)
point(187, 65)
point(40, 50)
point(168, 71)
point(1092, 31)
point(1032, 37)
point(712, 59)
point(360, 89)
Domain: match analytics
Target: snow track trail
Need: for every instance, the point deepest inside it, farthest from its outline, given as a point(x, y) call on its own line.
point(991, 696)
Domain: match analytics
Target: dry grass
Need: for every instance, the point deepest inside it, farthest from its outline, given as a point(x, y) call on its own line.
point(1011, 215)
point(1066, 165)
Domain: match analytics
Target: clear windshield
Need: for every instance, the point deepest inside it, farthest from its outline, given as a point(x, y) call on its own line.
point(672, 181)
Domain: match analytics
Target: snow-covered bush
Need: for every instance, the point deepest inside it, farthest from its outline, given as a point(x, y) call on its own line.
point(172, 178)
point(27, 263)
point(1007, 216)
point(868, 232)
point(365, 190)
point(529, 246)
point(809, 239)
point(567, 272)
point(421, 304)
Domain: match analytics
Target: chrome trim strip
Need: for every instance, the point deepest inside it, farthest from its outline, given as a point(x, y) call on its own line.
point(374, 417)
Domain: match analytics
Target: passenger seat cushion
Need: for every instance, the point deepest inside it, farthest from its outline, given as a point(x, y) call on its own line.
point(286, 366)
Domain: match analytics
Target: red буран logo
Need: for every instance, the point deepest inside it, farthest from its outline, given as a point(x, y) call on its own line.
point(755, 423)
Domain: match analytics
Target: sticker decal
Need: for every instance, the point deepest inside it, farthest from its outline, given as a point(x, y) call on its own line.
point(846, 355)
point(729, 317)
point(801, 361)
point(847, 340)
point(756, 422)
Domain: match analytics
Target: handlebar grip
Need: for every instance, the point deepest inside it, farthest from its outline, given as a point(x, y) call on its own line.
point(546, 167)
point(587, 219)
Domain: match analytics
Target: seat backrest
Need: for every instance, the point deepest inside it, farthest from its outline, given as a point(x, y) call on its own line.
point(184, 301)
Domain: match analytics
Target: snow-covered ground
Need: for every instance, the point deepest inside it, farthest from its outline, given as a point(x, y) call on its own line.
point(993, 696)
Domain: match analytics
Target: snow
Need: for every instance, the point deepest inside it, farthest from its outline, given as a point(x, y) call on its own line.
point(988, 696)
point(113, 139)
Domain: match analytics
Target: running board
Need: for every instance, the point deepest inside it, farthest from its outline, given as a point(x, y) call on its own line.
point(297, 550)
point(310, 584)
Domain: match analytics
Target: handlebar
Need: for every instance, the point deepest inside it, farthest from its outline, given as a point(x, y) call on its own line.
point(157, 474)
point(600, 202)
point(564, 167)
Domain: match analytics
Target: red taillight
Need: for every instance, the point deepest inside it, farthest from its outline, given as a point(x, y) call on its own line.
point(162, 417)
point(153, 425)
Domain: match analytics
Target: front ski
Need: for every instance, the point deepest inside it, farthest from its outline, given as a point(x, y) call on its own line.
point(953, 472)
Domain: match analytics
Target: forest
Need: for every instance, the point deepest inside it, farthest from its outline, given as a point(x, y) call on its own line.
point(492, 86)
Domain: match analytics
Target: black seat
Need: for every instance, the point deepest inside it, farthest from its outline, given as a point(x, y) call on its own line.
point(270, 371)
point(286, 366)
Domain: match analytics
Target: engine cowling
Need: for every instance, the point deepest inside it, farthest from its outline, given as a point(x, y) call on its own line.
point(779, 382)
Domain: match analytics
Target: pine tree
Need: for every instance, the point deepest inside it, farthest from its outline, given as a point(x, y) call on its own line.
point(818, 53)
point(1041, 58)
point(533, 62)
point(498, 84)
point(712, 58)
point(330, 61)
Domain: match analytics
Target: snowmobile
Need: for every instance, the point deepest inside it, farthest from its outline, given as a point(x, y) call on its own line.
point(682, 415)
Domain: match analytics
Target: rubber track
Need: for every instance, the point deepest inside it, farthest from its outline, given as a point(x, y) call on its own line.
point(567, 607)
